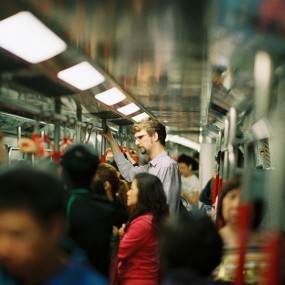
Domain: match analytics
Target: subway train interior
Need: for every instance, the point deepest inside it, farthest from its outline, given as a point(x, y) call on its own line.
point(213, 72)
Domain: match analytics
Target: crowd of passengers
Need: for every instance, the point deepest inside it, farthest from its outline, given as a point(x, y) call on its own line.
point(86, 222)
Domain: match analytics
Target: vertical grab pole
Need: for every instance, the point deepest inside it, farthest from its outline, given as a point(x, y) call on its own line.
point(19, 133)
point(103, 143)
point(128, 141)
point(78, 125)
point(77, 132)
point(215, 182)
point(232, 135)
point(244, 223)
point(225, 174)
point(222, 166)
point(121, 136)
point(57, 105)
point(19, 136)
point(36, 131)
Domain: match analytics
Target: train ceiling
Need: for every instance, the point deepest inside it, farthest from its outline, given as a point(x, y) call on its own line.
point(169, 57)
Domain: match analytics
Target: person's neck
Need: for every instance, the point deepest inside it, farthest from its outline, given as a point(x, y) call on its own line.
point(232, 228)
point(188, 175)
point(56, 261)
point(156, 151)
point(229, 233)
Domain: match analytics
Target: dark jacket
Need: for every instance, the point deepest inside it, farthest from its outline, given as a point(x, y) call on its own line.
point(90, 223)
point(122, 215)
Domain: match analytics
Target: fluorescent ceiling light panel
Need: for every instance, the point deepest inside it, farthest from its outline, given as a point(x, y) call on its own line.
point(183, 141)
point(25, 36)
point(111, 96)
point(128, 109)
point(83, 76)
point(140, 117)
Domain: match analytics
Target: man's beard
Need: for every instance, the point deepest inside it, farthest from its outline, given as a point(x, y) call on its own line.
point(142, 150)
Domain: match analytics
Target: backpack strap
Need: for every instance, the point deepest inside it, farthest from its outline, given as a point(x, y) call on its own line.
point(71, 200)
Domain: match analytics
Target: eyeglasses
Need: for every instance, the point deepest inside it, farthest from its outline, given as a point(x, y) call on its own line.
point(139, 138)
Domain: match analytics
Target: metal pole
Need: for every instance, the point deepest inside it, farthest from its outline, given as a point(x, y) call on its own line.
point(57, 107)
point(103, 143)
point(225, 169)
point(232, 135)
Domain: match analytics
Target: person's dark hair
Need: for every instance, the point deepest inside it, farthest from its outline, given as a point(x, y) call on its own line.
point(190, 241)
point(79, 162)
point(36, 191)
point(151, 197)
point(257, 201)
point(188, 160)
point(152, 126)
point(196, 155)
point(233, 183)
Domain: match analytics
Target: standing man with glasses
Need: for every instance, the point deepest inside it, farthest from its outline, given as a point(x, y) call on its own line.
point(150, 138)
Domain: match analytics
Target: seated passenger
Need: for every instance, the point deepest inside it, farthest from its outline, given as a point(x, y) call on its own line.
point(228, 210)
point(32, 250)
point(190, 249)
point(228, 213)
point(138, 260)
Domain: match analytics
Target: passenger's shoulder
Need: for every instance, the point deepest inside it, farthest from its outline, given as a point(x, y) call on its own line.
point(145, 219)
point(168, 161)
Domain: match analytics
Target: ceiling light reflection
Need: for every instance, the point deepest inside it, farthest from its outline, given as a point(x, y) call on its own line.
point(83, 76)
point(111, 96)
point(28, 38)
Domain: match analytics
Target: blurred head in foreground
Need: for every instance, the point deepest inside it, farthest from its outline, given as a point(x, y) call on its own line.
point(190, 241)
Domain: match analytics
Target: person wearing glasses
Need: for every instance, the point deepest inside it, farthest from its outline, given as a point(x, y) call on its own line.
point(150, 138)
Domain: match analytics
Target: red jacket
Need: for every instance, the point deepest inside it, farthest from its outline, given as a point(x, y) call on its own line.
point(138, 253)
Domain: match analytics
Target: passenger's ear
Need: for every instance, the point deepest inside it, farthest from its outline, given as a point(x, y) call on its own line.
point(155, 136)
point(107, 185)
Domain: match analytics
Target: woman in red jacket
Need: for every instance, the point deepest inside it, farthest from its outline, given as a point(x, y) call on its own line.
point(138, 260)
